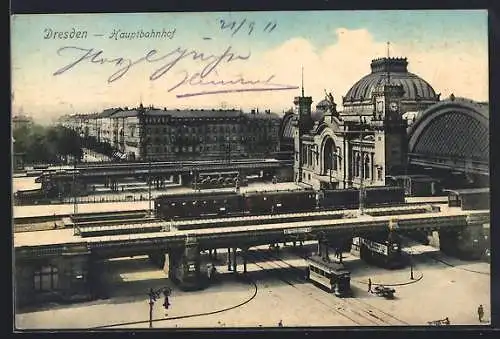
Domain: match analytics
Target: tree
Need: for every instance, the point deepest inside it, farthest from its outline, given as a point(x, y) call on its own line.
point(46, 144)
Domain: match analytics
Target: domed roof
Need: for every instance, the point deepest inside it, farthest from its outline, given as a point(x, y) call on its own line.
point(323, 105)
point(395, 69)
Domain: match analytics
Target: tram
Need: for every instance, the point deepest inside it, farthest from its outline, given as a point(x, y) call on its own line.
point(385, 253)
point(333, 276)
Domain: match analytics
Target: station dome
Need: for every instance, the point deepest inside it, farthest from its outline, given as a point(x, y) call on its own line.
point(416, 89)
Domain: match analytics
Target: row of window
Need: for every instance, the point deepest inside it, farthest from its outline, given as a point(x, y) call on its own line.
point(214, 129)
point(202, 148)
point(214, 138)
point(330, 160)
point(46, 278)
point(363, 169)
point(319, 271)
point(253, 128)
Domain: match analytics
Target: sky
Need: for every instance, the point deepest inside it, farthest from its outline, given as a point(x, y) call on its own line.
point(242, 60)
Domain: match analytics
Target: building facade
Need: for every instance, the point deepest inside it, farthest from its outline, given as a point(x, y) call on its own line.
point(365, 142)
point(146, 133)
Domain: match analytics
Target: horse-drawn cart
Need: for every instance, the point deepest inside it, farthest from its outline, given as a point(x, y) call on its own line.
point(385, 292)
point(441, 322)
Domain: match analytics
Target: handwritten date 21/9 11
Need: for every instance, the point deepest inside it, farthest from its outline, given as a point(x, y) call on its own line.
point(234, 26)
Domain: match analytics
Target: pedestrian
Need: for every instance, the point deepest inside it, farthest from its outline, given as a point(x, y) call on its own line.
point(369, 285)
point(280, 324)
point(480, 313)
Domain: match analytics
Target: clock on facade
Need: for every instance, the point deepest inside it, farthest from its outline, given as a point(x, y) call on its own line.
point(393, 106)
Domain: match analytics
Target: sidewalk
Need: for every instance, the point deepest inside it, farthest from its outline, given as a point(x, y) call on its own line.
point(135, 310)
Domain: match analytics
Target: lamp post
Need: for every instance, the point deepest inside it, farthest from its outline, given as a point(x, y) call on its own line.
point(411, 265)
point(149, 185)
point(362, 173)
point(228, 149)
point(153, 296)
point(194, 173)
point(75, 205)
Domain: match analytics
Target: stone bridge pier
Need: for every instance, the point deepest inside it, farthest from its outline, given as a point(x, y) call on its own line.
point(323, 246)
point(232, 264)
point(468, 243)
point(182, 265)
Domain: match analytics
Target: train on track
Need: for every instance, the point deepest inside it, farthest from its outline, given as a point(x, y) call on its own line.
point(220, 204)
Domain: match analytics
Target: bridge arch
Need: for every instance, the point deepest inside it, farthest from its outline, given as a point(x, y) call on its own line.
point(452, 129)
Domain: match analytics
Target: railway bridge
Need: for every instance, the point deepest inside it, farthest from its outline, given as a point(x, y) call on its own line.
point(74, 258)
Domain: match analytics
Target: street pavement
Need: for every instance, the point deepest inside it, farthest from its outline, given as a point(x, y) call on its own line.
point(436, 292)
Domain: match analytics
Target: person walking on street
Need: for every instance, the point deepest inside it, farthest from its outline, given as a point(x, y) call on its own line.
point(480, 313)
point(369, 285)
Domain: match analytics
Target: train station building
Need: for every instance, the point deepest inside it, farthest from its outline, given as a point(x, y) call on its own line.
point(391, 121)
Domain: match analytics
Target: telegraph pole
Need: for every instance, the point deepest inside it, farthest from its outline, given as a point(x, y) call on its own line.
point(411, 265)
point(75, 205)
point(362, 173)
point(149, 186)
point(155, 294)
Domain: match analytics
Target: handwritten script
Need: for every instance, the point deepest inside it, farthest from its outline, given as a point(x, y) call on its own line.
point(206, 75)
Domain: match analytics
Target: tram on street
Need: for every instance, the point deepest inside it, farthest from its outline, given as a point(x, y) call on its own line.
point(333, 276)
point(385, 253)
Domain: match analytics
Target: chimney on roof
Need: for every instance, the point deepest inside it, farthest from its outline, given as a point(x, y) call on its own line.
point(164, 108)
point(252, 111)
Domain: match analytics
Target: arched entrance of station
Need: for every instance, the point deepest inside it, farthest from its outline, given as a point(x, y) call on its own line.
point(329, 158)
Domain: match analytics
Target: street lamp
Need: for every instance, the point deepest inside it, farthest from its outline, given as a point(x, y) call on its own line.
point(361, 173)
point(411, 264)
point(195, 173)
point(75, 205)
point(228, 149)
point(153, 296)
point(149, 180)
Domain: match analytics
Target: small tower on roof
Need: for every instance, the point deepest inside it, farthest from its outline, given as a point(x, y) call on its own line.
point(303, 107)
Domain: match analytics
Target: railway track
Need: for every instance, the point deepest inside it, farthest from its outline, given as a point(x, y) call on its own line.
point(431, 254)
point(359, 312)
point(435, 258)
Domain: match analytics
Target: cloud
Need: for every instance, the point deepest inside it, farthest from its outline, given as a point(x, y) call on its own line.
point(459, 68)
